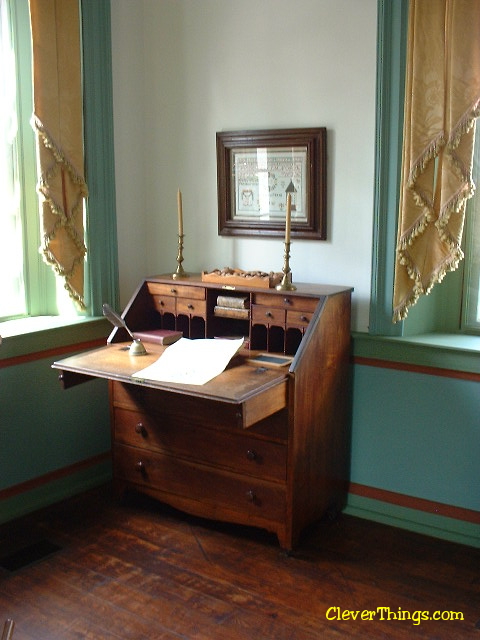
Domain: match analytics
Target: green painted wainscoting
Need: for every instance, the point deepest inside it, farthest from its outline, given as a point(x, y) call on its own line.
point(416, 435)
point(53, 443)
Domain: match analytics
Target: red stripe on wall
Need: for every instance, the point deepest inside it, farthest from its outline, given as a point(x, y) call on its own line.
point(419, 504)
point(51, 353)
point(416, 368)
point(58, 474)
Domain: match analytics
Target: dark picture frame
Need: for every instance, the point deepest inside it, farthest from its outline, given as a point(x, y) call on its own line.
point(256, 170)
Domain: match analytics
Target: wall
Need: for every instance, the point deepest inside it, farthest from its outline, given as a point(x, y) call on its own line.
point(183, 70)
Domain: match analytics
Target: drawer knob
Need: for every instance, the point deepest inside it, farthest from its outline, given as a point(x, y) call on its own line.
point(190, 306)
point(304, 318)
point(268, 314)
point(173, 291)
point(140, 429)
point(161, 303)
point(251, 496)
point(287, 301)
point(140, 467)
point(251, 454)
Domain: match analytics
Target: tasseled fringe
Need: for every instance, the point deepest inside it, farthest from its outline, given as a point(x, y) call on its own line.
point(66, 274)
point(450, 264)
point(58, 154)
point(63, 221)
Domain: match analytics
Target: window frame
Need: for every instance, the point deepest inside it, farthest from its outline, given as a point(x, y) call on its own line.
point(101, 264)
point(440, 311)
point(392, 23)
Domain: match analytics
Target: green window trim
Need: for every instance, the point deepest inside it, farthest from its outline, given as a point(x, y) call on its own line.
point(392, 25)
point(102, 258)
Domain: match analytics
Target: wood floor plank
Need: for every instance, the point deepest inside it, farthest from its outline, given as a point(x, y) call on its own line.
point(140, 570)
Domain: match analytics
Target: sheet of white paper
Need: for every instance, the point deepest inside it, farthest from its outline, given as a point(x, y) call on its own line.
point(191, 361)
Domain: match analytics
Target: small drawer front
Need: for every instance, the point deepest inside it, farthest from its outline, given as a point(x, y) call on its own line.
point(191, 307)
point(170, 475)
point(176, 290)
point(298, 318)
point(286, 301)
point(268, 315)
point(164, 304)
point(237, 452)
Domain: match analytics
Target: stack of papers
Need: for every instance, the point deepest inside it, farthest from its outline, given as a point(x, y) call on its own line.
point(191, 361)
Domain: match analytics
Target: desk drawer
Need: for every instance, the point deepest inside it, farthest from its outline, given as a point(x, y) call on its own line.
point(284, 301)
point(176, 290)
point(205, 412)
point(219, 489)
point(164, 304)
point(268, 315)
point(191, 307)
point(237, 451)
point(298, 318)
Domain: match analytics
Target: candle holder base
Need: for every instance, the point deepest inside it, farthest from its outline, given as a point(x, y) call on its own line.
point(180, 273)
point(286, 282)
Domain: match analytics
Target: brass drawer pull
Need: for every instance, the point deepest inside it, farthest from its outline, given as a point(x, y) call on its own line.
point(251, 496)
point(304, 318)
point(140, 467)
point(269, 314)
point(140, 429)
point(251, 454)
point(190, 306)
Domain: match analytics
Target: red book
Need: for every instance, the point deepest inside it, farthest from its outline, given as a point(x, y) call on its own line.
point(160, 336)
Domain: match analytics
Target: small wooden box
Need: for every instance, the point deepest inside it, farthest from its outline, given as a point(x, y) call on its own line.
point(239, 278)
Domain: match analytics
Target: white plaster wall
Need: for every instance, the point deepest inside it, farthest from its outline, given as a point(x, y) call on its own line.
point(184, 69)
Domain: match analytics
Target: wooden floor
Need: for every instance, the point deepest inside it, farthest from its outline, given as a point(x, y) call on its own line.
point(139, 570)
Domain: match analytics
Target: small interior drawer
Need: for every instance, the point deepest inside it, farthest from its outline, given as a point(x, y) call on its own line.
point(285, 301)
point(176, 290)
point(298, 318)
point(164, 304)
point(190, 307)
point(268, 315)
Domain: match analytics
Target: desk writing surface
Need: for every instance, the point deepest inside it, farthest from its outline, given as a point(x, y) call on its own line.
point(237, 384)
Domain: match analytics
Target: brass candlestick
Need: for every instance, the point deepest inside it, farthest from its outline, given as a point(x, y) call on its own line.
point(286, 283)
point(180, 273)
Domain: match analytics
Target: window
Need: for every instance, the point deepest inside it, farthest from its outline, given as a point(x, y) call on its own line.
point(28, 287)
point(12, 284)
point(471, 283)
point(454, 305)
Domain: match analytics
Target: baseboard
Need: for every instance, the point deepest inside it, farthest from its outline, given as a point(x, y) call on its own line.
point(55, 487)
point(424, 522)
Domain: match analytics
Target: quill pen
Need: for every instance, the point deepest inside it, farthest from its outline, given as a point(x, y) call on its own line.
point(136, 347)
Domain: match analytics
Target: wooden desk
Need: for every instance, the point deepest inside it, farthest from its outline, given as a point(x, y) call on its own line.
point(260, 446)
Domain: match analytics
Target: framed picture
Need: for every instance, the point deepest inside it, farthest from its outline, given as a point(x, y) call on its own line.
point(255, 172)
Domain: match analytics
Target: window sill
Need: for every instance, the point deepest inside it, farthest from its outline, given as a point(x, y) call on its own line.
point(42, 333)
point(456, 352)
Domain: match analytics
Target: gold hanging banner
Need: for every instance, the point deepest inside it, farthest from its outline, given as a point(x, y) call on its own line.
point(58, 122)
point(442, 100)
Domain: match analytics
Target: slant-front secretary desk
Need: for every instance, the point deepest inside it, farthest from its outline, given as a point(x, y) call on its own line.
point(257, 445)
